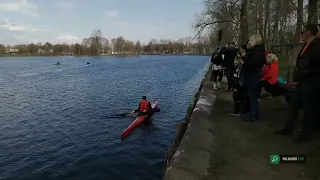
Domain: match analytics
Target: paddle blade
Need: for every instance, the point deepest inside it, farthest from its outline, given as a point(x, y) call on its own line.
point(126, 114)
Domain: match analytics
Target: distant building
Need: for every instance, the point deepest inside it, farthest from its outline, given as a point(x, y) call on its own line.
point(13, 51)
point(40, 51)
point(188, 50)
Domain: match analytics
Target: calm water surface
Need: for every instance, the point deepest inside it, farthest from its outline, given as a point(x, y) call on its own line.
point(55, 120)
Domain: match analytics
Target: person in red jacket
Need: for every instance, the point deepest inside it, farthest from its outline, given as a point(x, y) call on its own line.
point(271, 69)
point(144, 107)
point(270, 73)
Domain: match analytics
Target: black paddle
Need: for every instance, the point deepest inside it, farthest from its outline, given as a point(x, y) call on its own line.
point(122, 115)
point(125, 114)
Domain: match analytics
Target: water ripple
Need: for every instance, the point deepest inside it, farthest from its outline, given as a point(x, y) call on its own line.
point(54, 120)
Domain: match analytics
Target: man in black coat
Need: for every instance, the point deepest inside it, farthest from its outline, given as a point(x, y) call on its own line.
point(230, 53)
point(252, 67)
point(306, 95)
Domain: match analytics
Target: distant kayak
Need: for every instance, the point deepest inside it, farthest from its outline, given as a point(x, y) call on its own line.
point(58, 63)
point(87, 64)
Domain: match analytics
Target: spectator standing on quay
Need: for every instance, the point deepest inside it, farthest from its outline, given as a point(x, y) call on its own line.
point(306, 95)
point(230, 54)
point(253, 63)
point(217, 69)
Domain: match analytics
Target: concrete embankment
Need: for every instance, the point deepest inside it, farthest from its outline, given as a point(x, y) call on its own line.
point(189, 156)
point(211, 144)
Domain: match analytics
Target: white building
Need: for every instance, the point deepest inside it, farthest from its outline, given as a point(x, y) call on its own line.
point(14, 51)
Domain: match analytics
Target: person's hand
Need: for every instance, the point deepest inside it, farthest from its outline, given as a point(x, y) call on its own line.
point(144, 111)
point(292, 83)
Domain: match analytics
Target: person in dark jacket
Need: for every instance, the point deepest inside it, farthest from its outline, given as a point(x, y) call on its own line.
point(306, 94)
point(217, 69)
point(239, 89)
point(230, 53)
point(252, 67)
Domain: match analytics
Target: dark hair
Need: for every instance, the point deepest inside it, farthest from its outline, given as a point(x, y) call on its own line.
point(313, 28)
point(231, 43)
point(144, 97)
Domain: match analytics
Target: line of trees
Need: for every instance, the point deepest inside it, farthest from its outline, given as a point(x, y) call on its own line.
point(277, 21)
point(96, 44)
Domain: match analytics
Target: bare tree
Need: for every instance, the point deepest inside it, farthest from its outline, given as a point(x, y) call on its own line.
point(312, 11)
point(277, 21)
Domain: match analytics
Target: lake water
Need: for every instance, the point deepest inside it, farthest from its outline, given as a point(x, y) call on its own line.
point(55, 121)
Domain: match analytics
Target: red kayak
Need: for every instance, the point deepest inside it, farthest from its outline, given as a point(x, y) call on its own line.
point(138, 121)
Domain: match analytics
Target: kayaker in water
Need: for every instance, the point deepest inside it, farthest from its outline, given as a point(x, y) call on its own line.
point(144, 107)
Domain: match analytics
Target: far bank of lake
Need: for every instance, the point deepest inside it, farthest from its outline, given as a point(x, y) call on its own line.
point(108, 55)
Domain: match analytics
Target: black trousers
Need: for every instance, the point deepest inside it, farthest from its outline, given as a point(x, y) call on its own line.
point(306, 98)
point(238, 97)
point(273, 89)
point(230, 76)
point(216, 75)
point(147, 121)
point(144, 113)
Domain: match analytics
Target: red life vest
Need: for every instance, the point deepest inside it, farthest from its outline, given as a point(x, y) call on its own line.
point(144, 105)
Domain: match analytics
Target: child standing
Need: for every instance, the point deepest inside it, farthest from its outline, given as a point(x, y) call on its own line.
point(239, 89)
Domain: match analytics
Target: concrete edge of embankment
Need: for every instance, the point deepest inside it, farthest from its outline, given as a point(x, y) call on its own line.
point(189, 155)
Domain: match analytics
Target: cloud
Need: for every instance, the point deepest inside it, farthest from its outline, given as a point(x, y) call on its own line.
point(68, 39)
point(36, 41)
point(65, 4)
point(112, 14)
point(39, 30)
point(4, 21)
point(143, 31)
point(20, 37)
point(7, 25)
point(13, 27)
point(23, 6)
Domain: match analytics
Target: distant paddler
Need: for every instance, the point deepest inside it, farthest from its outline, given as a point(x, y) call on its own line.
point(58, 63)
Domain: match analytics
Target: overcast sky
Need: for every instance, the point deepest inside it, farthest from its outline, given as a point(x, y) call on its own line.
point(25, 21)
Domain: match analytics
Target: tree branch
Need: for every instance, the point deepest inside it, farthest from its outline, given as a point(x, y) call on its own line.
point(293, 4)
point(201, 26)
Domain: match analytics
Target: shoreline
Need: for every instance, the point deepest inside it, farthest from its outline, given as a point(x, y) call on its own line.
point(65, 56)
point(122, 55)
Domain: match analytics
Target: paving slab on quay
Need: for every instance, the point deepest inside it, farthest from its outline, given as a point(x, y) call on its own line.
point(218, 146)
